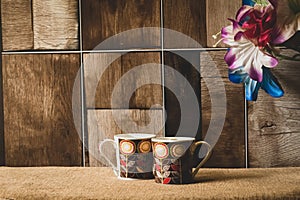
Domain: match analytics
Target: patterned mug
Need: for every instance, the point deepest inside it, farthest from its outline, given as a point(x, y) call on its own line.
point(174, 159)
point(133, 155)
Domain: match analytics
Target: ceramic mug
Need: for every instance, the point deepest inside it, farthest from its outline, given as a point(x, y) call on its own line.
point(173, 159)
point(134, 155)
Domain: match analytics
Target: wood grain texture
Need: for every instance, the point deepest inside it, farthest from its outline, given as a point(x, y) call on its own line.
point(187, 17)
point(113, 66)
point(217, 16)
point(186, 63)
point(229, 150)
point(102, 124)
point(38, 121)
point(118, 16)
point(2, 153)
point(274, 124)
point(17, 27)
point(55, 24)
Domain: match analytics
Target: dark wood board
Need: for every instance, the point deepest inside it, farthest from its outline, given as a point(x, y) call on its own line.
point(104, 19)
point(2, 153)
point(114, 66)
point(186, 63)
point(17, 27)
point(229, 150)
point(217, 16)
point(186, 17)
point(38, 120)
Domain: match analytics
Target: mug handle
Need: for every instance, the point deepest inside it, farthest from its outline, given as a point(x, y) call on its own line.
point(115, 168)
point(206, 157)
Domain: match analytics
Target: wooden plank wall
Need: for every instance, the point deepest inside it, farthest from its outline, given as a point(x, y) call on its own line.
point(37, 85)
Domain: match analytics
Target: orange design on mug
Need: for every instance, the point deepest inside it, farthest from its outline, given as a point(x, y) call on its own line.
point(144, 146)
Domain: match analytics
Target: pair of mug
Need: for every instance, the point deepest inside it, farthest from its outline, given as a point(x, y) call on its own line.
point(143, 156)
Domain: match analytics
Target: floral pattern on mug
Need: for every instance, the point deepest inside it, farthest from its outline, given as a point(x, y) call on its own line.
point(136, 159)
point(168, 163)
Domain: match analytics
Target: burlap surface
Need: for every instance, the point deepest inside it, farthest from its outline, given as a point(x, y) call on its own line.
point(100, 183)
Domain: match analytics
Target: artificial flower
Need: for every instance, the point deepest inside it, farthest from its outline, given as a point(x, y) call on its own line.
point(249, 37)
point(259, 26)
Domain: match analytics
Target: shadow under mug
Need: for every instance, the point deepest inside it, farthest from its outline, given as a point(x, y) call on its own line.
point(134, 157)
point(173, 159)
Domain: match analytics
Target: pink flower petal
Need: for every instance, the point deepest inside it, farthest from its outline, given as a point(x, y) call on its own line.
point(229, 58)
point(256, 74)
point(267, 61)
point(244, 10)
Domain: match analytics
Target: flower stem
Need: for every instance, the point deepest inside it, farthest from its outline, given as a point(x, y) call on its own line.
point(262, 2)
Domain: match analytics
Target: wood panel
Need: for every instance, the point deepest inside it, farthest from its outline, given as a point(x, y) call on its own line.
point(55, 24)
point(187, 17)
point(217, 16)
point(186, 63)
point(274, 124)
point(113, 66)
point(102, 125)
point(229, 150)
point(118, 16)
point(17, 27)
point(2, 153)
point(38, 121)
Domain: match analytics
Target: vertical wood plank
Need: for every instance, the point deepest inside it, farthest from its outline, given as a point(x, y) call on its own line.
point(118, 16)
point(102, 125)
point(186, 68)
point(98, 63)
point(187, 17)
point(217, 16)
point(229, 150)
point(2, 153)
point(17, 27)
point(55, 24)
point(38, 121)
point(274, 124)
point(149, 94)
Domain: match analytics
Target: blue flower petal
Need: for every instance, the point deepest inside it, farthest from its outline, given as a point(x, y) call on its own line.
point(248, 2)
point(251, 89)
point(238, 75)
point(270, 84)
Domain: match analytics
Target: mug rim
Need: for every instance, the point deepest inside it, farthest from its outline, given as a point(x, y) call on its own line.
point(172, 139)
point(134, 136)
